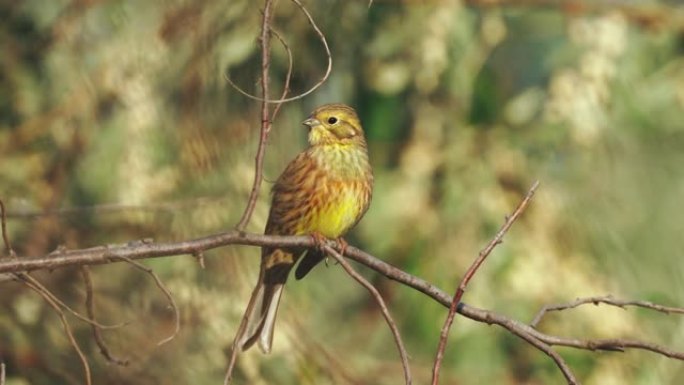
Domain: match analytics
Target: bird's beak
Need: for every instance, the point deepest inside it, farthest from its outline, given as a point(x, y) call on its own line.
point(311, 122)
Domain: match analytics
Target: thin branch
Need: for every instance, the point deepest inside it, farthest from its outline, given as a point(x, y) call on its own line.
point(288, 76)
point(557, 359)
point(66, 307)
point(199, 257)
point(607, 300)
point(2, 373)
point(383, 307)
point(266, 120)
point(265, 40)
point(468, 276)
point(144, 250)
point(234, 351)
point(5, 238)
point(320, 82)
point(167, 294)
point(97, 331)
point(65, 324)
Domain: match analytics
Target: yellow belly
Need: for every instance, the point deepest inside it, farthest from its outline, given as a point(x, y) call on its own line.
point(335, 216)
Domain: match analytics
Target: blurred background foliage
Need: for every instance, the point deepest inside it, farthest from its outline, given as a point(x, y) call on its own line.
point(117, 124)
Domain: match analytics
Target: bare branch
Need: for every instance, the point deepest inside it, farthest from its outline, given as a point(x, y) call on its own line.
point(65, 324)
point(469, 274)
point(55, 299)
point(143, 250)
point(167, 294)
point(608, 300)
point(2, 373)
point(288, 76)
point(320, 82)
point(265, 40)
point(97, 333)
point(383, 307)
point(199, 257)
point(5, 238)
point(266, 120)
point(557, 359)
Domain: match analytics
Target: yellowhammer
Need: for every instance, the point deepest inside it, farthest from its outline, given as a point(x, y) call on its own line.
point(324, 192)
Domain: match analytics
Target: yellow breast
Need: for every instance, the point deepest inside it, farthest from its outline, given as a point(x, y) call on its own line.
point(342, 204)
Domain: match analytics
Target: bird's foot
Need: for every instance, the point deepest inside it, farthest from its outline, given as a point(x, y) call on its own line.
point(342, 245)
point(318, 239)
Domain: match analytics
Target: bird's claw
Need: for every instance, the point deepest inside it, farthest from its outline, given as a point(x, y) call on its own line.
point(342, 245)
point(319, 240)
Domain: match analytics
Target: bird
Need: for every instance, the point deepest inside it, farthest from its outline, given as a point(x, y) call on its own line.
point(323, 192)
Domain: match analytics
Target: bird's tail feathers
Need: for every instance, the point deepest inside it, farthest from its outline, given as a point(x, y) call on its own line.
point(260, 317)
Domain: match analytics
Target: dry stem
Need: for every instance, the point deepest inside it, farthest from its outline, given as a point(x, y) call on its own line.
point(469, 275)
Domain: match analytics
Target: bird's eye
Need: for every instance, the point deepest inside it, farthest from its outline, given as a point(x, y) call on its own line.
point(332, 120)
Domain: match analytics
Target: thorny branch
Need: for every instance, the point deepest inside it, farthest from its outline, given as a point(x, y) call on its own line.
point(383, 307)
point(469, 275)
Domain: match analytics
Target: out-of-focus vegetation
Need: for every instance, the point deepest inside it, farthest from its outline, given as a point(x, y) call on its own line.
point(115, 117)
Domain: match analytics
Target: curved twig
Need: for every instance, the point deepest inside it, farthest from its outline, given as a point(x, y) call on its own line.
point(66, 307)
point(288, 76)
point(383, 307)
point(320, 82)
point(167, 294)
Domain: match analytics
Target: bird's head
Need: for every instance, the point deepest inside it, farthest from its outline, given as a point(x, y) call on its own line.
point(334, 124)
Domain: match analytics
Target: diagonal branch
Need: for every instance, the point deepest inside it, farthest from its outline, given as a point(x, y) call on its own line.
point(383, 307)
point(65, 324)
point(469, 275)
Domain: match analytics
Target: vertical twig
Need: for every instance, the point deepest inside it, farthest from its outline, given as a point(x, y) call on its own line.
point(264, 39)
point(2, 373)
point(97, 331)
point(469, 275)
point(5, 238)
point(383, 307)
